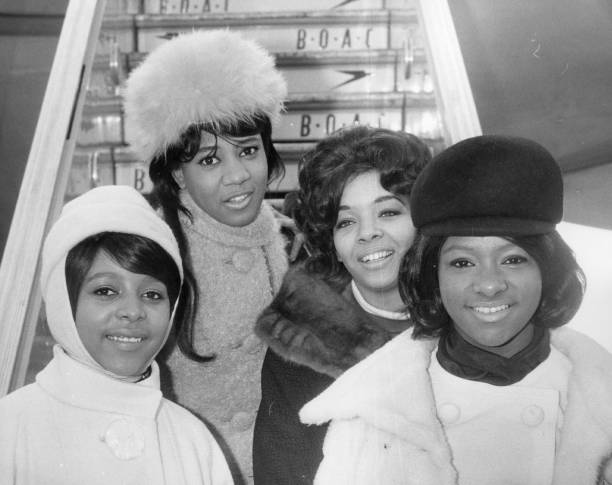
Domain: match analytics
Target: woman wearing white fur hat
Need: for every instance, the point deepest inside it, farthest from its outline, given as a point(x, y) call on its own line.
point(200, 110)
point(111, 278)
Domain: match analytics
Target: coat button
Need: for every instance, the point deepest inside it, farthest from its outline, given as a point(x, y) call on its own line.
point(532, 415)
point(125, 439)
point(449, 413)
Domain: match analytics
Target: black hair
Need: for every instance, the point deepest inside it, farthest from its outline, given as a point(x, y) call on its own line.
point(563, 282)
point(325, 171)
point(137, 254)
point(165, 196)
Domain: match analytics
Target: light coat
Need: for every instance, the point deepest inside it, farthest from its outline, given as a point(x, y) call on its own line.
point(384, 427)
point(238, 272)
point(75, 425)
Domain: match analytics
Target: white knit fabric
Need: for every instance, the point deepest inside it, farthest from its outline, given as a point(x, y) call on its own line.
point(103, 209)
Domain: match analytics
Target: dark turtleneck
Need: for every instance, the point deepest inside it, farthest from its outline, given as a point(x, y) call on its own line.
point(462, 359)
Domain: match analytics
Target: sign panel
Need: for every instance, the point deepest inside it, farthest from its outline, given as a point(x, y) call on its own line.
point(92, 169)
point(316, 125)
point(285, 38)
point(313, 125)
point(247, 6)
point(340, 78)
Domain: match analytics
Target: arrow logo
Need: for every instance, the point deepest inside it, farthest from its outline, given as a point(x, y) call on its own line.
point(342, 4)
point(355, 76)
point(168, 35)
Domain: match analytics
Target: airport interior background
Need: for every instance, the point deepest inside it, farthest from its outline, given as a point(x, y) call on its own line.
point(535, 68)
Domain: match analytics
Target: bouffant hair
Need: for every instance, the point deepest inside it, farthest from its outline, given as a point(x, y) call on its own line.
point(324, 172)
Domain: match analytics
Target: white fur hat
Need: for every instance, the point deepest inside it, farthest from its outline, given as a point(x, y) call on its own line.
point(111, 208)
point(211, 77)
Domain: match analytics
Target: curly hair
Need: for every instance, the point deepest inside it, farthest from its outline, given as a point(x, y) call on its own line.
point(563, 282)
point(165, 196)
point(324, 172)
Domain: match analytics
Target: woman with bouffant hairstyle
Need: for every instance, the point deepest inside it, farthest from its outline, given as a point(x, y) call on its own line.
point(341, 302)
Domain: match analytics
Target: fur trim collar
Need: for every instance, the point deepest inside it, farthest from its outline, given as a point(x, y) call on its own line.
point(211, 77)
point(378, 388)
point(313, 324)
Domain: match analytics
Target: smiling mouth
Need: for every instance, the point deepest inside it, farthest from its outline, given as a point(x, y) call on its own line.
point(374, 257)
point(124, 340)
point(239, 201)
point(237, 198)
point(487, 310)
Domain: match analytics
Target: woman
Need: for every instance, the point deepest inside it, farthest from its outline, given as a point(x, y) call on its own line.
point(200, 110)
point(111, 277)
point(486, 388)
point(342, 302)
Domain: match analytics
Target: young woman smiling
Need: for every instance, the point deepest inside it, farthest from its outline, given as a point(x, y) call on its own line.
point(342, 302)
point(111, 278)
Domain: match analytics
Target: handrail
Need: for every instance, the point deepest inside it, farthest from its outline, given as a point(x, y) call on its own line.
point(454, 92)
point(44, 184)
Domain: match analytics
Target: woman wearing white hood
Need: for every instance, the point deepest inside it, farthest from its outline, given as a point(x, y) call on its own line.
point(111, 278)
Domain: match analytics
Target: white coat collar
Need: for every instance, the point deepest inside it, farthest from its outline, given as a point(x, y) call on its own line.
point(389, 379)
point(391, 390)
point(79, 385)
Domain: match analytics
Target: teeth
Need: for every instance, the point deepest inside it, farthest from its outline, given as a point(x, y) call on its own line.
point(239, 198)
point(494, 309)
point(376, 256)
point(117, 338)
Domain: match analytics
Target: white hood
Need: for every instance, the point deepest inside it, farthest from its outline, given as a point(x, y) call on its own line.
point(104, 209)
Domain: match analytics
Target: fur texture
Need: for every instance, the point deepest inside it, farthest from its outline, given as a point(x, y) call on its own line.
point(388, 398)
point(312, 324)
point(214, 77)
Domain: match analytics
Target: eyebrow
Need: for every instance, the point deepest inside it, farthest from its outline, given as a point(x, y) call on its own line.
point(239, 139)
point(232, 141)
point(463, 247)
point(378, 200)
point(100, 274)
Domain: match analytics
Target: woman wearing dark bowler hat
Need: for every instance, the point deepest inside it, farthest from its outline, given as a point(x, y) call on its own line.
point(487, 387)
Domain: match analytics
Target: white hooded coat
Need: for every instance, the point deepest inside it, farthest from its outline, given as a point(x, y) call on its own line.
point(79, 423)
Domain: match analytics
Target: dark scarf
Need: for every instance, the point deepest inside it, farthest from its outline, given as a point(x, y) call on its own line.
point(467, 361)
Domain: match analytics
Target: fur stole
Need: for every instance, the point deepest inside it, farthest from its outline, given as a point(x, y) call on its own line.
point(312, 324)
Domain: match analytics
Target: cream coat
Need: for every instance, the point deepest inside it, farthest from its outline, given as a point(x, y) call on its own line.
point(75, 425)
point(385, 430)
